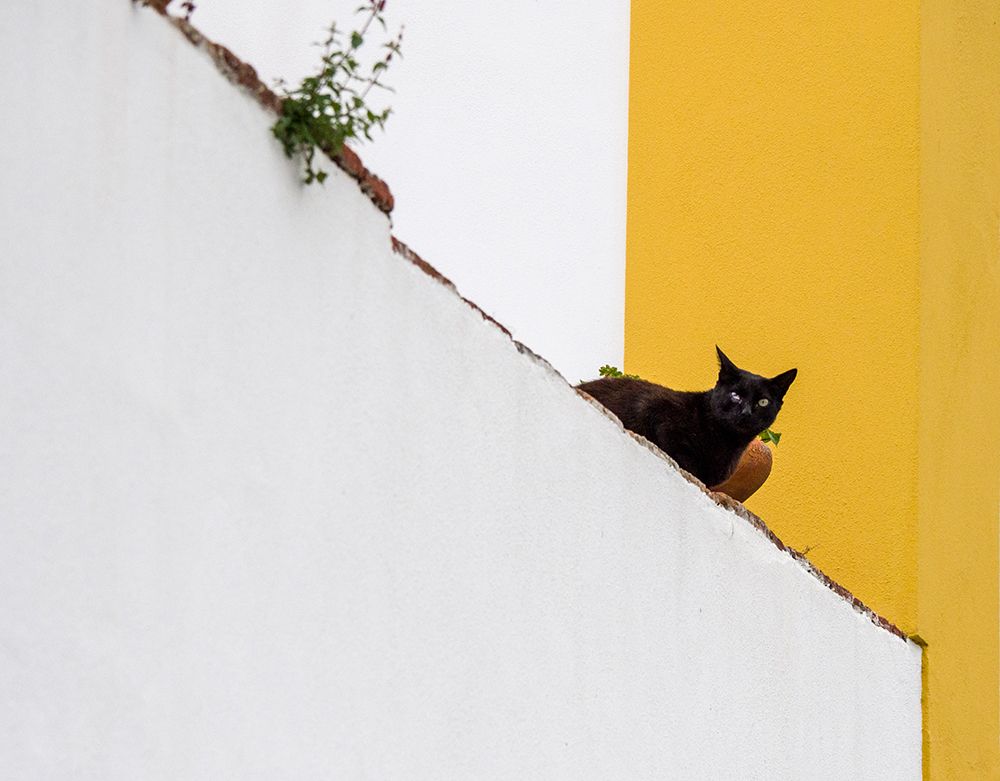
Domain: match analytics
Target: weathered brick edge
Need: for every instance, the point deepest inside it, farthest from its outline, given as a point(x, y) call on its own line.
point(244, 75)
point(737, 507)
point(404, 251)
point(857, 604)
point(720, 499)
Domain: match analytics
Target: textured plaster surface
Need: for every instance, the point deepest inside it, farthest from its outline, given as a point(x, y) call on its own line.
point(278, 503)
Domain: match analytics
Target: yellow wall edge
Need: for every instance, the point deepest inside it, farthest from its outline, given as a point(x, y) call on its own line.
point(959, 476)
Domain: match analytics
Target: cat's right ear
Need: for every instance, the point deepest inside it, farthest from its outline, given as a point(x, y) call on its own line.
point(783, 381)
point(726, 367)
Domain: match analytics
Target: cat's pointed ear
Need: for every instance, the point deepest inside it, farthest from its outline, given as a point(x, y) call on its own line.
point(726, 367)
point(781, 383)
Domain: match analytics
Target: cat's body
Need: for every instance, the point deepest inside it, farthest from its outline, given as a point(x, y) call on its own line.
point(704, 432)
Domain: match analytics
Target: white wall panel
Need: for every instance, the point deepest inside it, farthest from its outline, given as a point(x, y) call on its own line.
point(276, 504)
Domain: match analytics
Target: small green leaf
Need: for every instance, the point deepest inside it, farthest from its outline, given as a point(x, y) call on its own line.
point(356, 40)
point(771, 436)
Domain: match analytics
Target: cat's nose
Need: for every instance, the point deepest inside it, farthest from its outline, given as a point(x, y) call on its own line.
point(746, 409)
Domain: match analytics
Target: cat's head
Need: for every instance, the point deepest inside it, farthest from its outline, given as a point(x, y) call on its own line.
point(747, 403)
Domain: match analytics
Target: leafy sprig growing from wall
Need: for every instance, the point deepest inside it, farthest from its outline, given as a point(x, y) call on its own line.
point(613, 371)
point(331, 107)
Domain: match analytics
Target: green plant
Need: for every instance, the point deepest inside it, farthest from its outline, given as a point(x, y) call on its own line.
point(613, 371)
point(329, 108)
point(771, 436)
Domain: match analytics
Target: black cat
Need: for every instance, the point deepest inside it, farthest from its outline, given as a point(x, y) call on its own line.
point(705, 432)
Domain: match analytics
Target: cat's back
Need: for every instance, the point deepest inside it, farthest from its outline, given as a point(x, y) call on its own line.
point(631, 400)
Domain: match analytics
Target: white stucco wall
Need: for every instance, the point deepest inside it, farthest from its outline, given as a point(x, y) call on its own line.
point(506, 150)
point(277, 504)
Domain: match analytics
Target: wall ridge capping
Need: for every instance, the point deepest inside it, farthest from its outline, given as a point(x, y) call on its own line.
point(722, 500)
point(404, 251)
point(244, 75)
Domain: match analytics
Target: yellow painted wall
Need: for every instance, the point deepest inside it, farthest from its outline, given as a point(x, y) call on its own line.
point(820, 186)
point(959, 497)
point(774, 210)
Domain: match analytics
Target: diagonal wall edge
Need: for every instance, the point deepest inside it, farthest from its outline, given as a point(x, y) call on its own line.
point(244, 75)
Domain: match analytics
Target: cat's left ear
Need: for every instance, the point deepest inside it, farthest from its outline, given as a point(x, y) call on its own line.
point(781, 383)
point(726, 367)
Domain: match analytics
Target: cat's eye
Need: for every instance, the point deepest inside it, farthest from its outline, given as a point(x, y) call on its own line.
point(763, 403)
point(734, 396)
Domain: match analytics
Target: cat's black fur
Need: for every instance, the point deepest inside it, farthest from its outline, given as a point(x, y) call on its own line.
point(705, 432)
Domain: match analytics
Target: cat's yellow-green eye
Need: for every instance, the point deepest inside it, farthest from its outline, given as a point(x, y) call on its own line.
point(763, 403)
